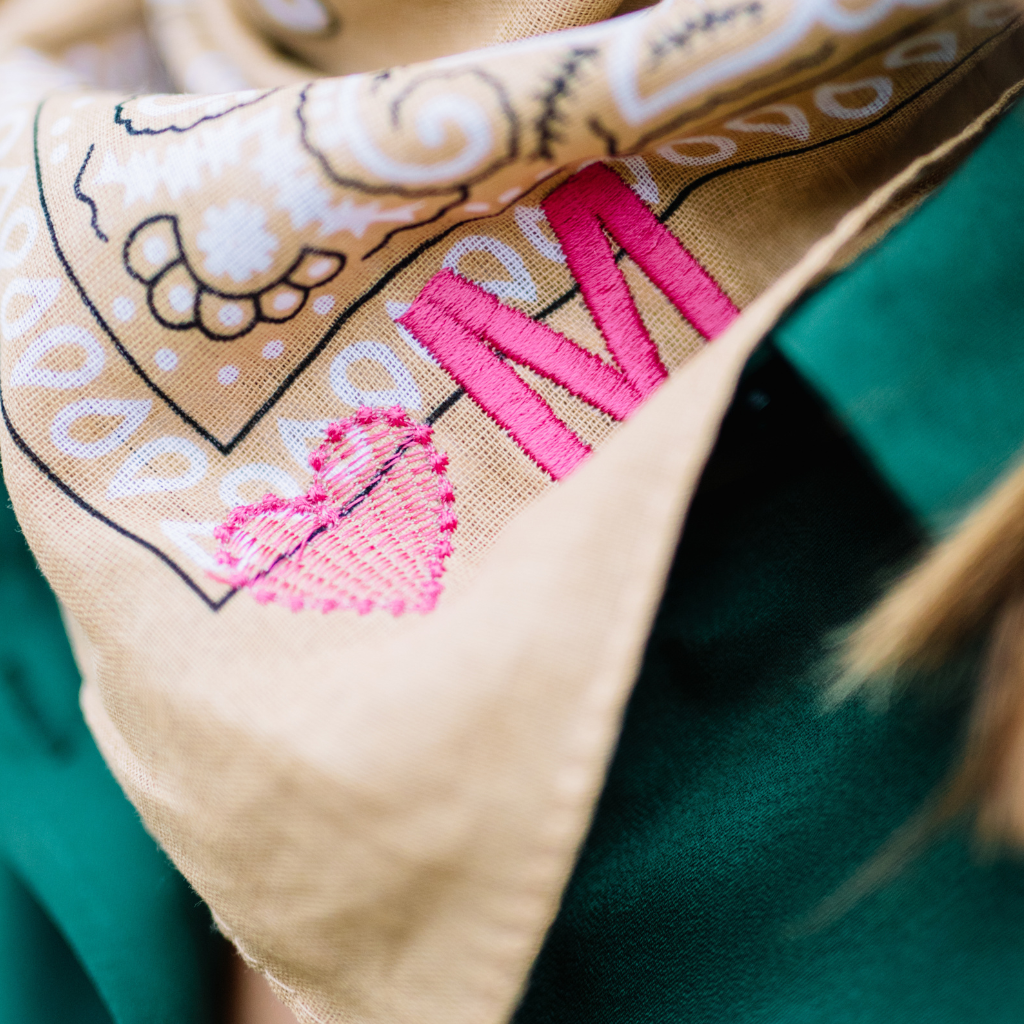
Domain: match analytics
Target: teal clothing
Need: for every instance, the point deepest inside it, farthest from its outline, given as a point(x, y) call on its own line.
point(734, 805)
point(919, 347)
point(96, 926)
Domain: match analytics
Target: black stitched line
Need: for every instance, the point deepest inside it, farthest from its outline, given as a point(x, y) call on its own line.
point(386, 240)
point(69, 273)
point(372, 292)
point(441, 409)
point(214, 605)
point(452, 399)
point(609, 138)
point(677, 39)
point(226, 447)
point(688, 190)
point(88, 200)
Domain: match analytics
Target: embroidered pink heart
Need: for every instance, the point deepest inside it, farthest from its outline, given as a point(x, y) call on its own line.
point(373, 530)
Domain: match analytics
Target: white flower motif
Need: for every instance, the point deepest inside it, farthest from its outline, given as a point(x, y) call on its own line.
point(236, 241)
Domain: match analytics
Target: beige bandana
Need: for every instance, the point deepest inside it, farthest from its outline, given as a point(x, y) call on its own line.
point(316, 388)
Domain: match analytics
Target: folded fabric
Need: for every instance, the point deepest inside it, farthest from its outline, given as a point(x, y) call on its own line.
point(315, 400)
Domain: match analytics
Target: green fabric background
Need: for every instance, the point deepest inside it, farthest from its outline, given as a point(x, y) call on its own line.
point(920, 345)
point(77, 870)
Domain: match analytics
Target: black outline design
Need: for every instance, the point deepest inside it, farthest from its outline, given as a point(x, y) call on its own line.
point(213, 604)
point(456, 395)
point(88, 200)
point(678, 38)
point(126, 122)
point(606, 135)
point(511, 142)
point(385, 241)
point(559, 89)
point(202, 289)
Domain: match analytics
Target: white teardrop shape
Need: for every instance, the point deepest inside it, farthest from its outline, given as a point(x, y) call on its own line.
point(21, 217)
point(127, 483)
point(43, 292)
point(928, 48)
point(295, 434)
point(724, 148)
point(132, 413)
point(10, 181)
point(278, 479)
point(529, 220)
point(826, 97)
point(183, 535)
point(794, 127)
point(521, 285)
point(11, 125)
point(644, 184)
point(404, 393)
point(28, 372)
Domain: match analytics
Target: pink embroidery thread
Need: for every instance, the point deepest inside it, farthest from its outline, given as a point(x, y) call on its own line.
point(373, 530)
point(461, 324)
point(455, 319)
point(595, 200)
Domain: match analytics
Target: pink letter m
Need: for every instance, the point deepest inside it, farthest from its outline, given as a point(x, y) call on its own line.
point(466, 328)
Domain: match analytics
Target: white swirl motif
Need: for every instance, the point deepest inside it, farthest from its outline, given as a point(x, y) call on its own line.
point(433, 121)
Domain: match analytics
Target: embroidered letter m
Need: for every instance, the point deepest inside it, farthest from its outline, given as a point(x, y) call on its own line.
point(469, 331)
